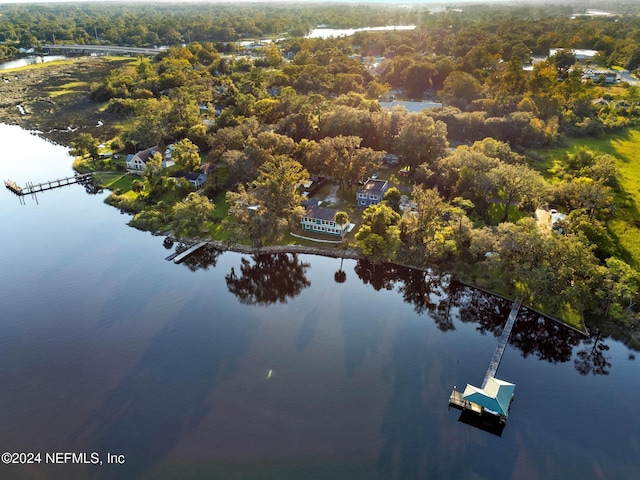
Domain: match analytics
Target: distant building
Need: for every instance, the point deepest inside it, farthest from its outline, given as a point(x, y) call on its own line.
point(580, 53)
point(208, 168)
point(390, 159)
point(604, 76)
point(554, 218)
point(413, 107)
point(372, 192)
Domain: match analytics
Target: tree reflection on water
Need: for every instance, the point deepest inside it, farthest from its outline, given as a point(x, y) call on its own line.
point(269, 279)
point(204, 258)
point(444, 299)
point(591, 358)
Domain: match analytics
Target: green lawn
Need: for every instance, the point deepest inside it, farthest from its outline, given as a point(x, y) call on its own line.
point(496, 213)
point(545, 161)
point(217, 230)
point(114, 181)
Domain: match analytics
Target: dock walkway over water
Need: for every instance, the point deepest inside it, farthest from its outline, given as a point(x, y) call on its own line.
point(179, 258)
point(32, 188)
point(502, 343)
point(492, 401)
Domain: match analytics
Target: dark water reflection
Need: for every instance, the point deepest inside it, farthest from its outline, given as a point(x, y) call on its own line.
point(439, 296)
point(592, 357)
point(206, 258)
point(267, 279)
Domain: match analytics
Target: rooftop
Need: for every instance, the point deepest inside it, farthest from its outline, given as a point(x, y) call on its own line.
point(321, 213)
point(373, 185)
point(496, 395)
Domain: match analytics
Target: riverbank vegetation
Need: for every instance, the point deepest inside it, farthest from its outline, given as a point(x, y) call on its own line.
point(525, 181)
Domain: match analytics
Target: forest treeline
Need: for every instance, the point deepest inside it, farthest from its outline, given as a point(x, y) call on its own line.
point(458, 32)
point(302, 107)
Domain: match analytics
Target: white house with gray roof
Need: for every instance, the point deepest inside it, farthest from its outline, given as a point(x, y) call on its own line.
point(372, 192)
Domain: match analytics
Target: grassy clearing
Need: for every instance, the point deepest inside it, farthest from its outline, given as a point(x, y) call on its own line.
point(624, 149)
point(115, 181)
point(496, 213)
point(616, 91)
point(217, 230)
point(67, 88)
point(545, 161)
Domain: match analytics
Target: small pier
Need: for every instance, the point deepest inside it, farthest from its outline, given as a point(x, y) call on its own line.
point(487, 407)
point(179, 258)
point(456, 400)
point(32, 188)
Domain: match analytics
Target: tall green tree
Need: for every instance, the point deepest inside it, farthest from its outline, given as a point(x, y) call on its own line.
point(341, 158)
point(460, 89)
point(342, 218)
point(192, 214)
point(186, 155)
point(151, 125)
point(85, 144)
point(379, 236)
point(271, 202)
point(392, 198)
point(516, 181)
point(153, 169)
point(620, 287)
point(421, 140)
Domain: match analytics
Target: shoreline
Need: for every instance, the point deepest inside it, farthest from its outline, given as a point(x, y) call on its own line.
point(353, 254)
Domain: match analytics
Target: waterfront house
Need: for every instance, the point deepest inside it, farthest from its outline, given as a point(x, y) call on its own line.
point(321, 220)
point(194, 178)
point(372, 192)
point(137, 162)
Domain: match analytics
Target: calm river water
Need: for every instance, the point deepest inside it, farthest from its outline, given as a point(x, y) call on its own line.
point(23, 62)
point(265, 367)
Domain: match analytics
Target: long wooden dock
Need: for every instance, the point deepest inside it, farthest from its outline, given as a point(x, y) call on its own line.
point(502, 343)
point(491, 410)
point(32, 188)
point(189, 251)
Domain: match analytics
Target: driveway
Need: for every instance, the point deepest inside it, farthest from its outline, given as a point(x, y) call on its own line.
point(543, 217)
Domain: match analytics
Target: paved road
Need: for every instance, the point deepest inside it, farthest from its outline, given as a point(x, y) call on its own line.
point(626, 77)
